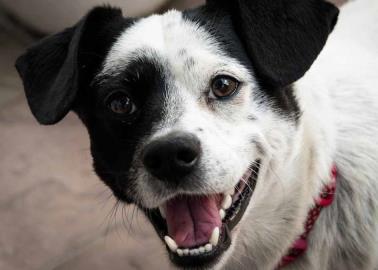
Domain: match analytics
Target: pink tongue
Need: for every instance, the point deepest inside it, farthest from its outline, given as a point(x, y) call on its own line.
point(191, 220)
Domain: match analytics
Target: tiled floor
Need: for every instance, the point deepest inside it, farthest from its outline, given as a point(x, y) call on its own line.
point(54, 212)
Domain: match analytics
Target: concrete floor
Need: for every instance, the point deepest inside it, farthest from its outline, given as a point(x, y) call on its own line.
point(54, 212)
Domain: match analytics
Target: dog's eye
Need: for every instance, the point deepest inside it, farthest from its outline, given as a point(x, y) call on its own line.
point(224, 86)
point(121, 104)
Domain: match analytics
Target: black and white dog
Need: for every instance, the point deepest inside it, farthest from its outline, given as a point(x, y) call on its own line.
point(213, 123)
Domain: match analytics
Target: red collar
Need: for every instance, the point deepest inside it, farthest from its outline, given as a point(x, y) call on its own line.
point(325, 199)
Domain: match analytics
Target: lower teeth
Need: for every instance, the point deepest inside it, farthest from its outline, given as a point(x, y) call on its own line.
point(196, 251)
point(213, 241)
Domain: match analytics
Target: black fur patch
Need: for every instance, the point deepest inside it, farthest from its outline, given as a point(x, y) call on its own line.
point(114, 141)
point(277, 40)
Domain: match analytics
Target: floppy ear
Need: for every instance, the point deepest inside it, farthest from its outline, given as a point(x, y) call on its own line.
point(282, 37)
point(51, 68)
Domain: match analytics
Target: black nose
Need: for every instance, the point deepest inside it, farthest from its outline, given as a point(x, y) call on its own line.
point(173, 156)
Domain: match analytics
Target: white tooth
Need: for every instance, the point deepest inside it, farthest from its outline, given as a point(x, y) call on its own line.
point(214, 236)
point(222, 213)
point(227, 202)
point(185, 251)
point(180, 252)
point(196, 251)
point(230, 192)
point(201, 250)
point(170, 243)
point(192, 252)
point(208, 247)
point(162, 212)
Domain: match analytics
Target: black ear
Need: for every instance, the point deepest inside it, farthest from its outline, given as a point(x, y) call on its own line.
point(51, 68)
point(282, 37)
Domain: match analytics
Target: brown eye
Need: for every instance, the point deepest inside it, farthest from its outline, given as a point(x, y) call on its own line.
point(121, 104)
point(224, 86)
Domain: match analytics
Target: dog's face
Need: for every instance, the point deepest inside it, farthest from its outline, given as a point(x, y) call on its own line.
point(183, 109)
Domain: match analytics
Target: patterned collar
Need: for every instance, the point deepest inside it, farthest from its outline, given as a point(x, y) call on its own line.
point(325, 199)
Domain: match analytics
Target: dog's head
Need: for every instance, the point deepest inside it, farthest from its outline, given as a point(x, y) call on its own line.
point(184, 110)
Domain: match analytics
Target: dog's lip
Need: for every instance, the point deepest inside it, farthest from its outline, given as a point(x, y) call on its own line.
point(228, 224)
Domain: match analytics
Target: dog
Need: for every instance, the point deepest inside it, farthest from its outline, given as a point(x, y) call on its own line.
point(245, 130)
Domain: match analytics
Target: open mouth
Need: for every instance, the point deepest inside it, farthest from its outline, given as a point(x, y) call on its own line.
point(197, 228)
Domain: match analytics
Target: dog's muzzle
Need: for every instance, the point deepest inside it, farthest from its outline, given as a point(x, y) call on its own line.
point(195, 228)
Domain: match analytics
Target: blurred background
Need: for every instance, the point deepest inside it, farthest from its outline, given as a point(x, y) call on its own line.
point(54, 212)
